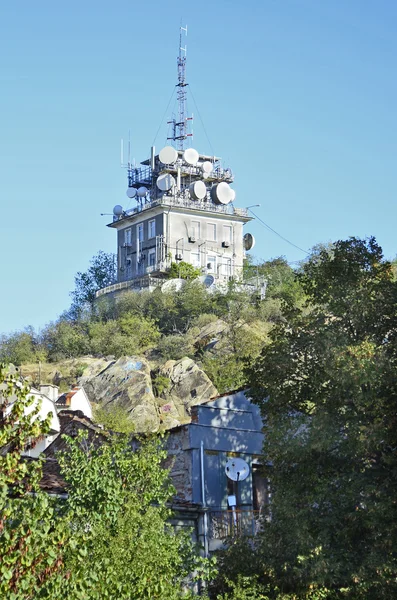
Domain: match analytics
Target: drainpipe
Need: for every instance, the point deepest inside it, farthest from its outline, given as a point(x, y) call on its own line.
point(205, 515)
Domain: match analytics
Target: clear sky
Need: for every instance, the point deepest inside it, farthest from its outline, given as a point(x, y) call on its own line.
point(298, 97)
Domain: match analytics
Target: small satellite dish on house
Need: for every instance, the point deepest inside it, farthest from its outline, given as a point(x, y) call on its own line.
point(206, 280)
point(248, 241)
point(207, 167)
point(221, 193)
point(118, 210)
point(191, 156)
point(173, 285)
point(131, 192)
point(237, 469)
point(198, 190)
point(165, 182)
point(168, 155)
point(142, 191)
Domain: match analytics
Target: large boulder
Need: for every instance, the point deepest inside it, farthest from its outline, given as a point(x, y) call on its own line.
point(126, 382)
point(189, 385)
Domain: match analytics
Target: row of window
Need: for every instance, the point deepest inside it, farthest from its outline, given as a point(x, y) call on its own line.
point(195, 232)
point(151, 232)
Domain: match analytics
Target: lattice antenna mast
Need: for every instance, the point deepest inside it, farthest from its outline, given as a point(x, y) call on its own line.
point(179, 125)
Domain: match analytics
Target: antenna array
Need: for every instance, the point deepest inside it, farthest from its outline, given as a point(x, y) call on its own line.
point(179, 125)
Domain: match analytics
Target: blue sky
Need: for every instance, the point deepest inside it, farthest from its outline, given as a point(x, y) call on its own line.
point(297, 96)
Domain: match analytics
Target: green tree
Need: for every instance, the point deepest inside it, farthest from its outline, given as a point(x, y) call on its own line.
point(328, 391)
point(21, 347)
point(100, 273)
point(128, 335)
point(33, 535)
point(183, 270)
point(65, 339)
point(118, 500)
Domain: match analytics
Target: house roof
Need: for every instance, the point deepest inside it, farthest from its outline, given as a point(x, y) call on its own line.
point(64, 399)
point(72, 421)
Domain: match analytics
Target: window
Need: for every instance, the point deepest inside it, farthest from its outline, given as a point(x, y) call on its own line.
point(152, 258)
point(195, 259)
point(195, 229)
point(227, 267)
point(227, 233)
point(211, 264)
point(152, 229)
point(211, 232)
point(127, 237)
point(140, 232)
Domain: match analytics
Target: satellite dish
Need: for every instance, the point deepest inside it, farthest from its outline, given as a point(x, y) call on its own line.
point(173, 285)
point(233, 195)
point(168, 155)
point(206, 280)
point(221, 193)
point(131, 192)
point(237, 469)
point(248, 241)
point(118, 210)
point(207, 167)
point(198, 190)
point(142, 191)
point(165, 182)
point(191, 156)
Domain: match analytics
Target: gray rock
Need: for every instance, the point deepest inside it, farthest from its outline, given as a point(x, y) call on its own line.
point(189, 386)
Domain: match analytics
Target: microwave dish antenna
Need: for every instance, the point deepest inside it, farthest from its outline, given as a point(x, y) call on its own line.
point(207, 167)
point(233, 197)
point(248, 241)
point(168, 155)
point(142, 191)
point(221, 193)
point(198, 190)
point(206, 280)
point(118, 210)
point(237, 469)
point(131, 192)
point(165, 182)
point(191, 156)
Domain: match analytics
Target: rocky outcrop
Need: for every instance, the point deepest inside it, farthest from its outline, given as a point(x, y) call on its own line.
point(189, 385)
point(126, 382)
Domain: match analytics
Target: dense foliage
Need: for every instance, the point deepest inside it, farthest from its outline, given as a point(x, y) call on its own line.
point(328, 390)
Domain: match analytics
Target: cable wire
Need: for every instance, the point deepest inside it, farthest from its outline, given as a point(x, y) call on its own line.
point(279, 235)
point(202, 122)
point(163, 117)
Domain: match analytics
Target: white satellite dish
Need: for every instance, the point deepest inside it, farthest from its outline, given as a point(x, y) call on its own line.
point(165, 182)
point(221, 193)
point(131, 192)
point(191, 156)
point(198, 190)
point(207, 167)
point(173, 285)
point(142, 191)
point(237, 469)
point(248, 241)
point(168, 155)
point(206, 280)
point(233, 195)
point(118, 210)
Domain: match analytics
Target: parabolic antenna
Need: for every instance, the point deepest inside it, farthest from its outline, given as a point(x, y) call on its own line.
point(207, 167)
point(165, 182)
point(237, 469)
point(131, 192)
point(191, 156)
point(233, 195)
point(118, 210)
point(221, 193)
point(198, 190)
point(206, 280)
point(168, 155)
point(142, 191)
point(248, 241)
point(173, 285)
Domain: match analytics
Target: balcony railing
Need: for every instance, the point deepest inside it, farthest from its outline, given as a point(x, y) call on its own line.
point(230, 524)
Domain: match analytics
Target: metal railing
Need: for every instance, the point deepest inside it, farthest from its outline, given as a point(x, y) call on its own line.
point(179, 202)
point(229, 524)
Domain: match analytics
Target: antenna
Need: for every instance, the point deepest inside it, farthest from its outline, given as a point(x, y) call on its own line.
point(179, 125)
